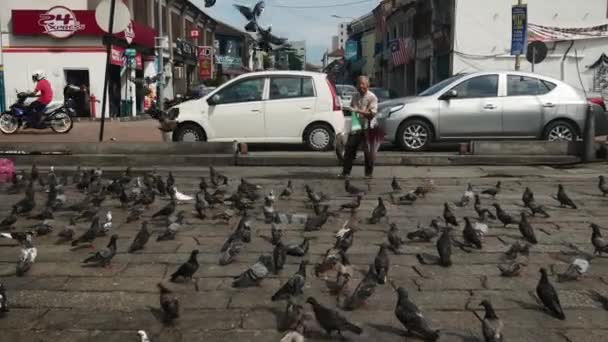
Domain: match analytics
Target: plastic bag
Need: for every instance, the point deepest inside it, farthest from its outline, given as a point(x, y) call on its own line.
point(355, 124)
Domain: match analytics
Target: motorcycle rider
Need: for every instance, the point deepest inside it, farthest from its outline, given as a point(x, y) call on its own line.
point(44, 92)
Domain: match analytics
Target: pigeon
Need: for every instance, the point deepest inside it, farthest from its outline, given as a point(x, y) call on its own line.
point(379, 212)
point(491, 325)
point(187, 269)
point(353, 205)
point(67, 234)
point(492, 191)
point(481, 211)
point(170, 183)
point(364, 290)
point(104, 255)
point(411, 317)
point(9, 220)
point(395, 240)
point(228, 256)
point(406, 199)
point(3, 300)
point(268, 210)
point(526, 230)
point(275, 233)
point(135, 213)
point(352, 189)
point(252, 15)
point(209, 3)
point(107, 225)
point(330, 260)
point(140, 240)
point(511, 269)
point(43, 228)
point(314, 197)
point(286, 193)
point(424, 189)
point(316, 222)
point(168, 304)
point(603, 186)
point(548, 296)
point(26, 205)
point(331, 320)
point(527, 197)
point(577, 268)
point(344, 238)
point(165, 211)
point(90, 235)
point(143, 336)
point(344, 272)
point(255, 274)
point(381, 264)
point(467, 197)
point(26, 260)
point(598, 297)
point(516, 249)
point(292, 336)
point(293, 318)
point(449, 216)
point(471, 236)
point(24, 239)
point(444, 248)
point(395, 185)
point(299, 250)
point(503, 216)
point(425, 234)
point(266, 39)
point(279, 256)
point(294, 285)
point(200, 206)
point(536, 209)
point(599, 243)
point(46, 214)
point(481, 228)
point(563, 199)
point(172, 227)
point(34, 173)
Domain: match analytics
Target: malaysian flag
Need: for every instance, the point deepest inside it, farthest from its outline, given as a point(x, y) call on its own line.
point(401, 51)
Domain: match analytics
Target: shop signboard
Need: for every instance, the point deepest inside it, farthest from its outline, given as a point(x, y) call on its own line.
point(121, 57)
point(205, 62)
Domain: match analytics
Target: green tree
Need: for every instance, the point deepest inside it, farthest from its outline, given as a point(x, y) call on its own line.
point(266, 61)
point(295, 61)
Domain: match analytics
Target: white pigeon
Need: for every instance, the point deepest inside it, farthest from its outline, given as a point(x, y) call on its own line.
point(481, 227)
point(181, 197)
point(293, 336)
point(270, 196)
point(107, 225)
point(577, 268)
point(26, 260)
point(345, 229)
point(144, 337)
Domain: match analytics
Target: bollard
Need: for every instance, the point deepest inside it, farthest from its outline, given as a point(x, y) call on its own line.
point(589, 135)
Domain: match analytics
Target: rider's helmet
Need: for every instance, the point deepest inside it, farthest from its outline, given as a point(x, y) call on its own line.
point(38, 75)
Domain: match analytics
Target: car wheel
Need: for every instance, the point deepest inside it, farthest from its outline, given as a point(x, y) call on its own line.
point(189, 132)
point(414, 135)
point(561, 131)
point(319, 137)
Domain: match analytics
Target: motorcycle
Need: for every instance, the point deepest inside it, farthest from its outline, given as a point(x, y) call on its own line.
point(56, 117)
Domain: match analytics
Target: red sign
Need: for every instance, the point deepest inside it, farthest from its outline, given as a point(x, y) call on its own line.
point(194, 34)
point(205, 62)
point(61, 22)
point(117, 57)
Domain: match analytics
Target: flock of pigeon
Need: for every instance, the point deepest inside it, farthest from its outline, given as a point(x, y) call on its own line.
point(266, 40)
point(137, 194)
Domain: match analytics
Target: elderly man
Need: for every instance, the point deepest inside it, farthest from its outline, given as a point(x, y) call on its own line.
point(365, 106)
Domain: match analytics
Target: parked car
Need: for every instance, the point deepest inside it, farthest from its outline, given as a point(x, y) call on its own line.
point(265, 107)
point(488, 105)
point(382, 94)
point(199, 91)
point(346, 92)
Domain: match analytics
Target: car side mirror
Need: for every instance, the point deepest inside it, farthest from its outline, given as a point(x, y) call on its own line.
point(450, 94)
point(213, 100)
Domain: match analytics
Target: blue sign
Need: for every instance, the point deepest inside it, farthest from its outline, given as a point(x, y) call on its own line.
point(519, 33)
point(351, 50)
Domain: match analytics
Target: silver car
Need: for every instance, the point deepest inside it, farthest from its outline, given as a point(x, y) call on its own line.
point(486, 105)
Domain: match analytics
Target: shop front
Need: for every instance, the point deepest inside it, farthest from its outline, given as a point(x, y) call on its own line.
point(67, 45)
point(185, 63)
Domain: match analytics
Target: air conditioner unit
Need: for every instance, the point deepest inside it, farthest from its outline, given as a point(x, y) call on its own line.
point(179, 72)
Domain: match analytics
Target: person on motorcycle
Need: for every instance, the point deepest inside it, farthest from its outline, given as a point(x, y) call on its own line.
point(44, 92)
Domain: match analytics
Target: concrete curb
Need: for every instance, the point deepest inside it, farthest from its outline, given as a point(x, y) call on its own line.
point(138, 117)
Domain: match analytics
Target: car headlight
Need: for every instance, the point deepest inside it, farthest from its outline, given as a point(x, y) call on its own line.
point(173, 113)
point(386, 112)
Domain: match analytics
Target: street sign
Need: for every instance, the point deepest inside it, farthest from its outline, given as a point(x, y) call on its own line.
point(519, 34)
point(537, 52)
point(122, 16)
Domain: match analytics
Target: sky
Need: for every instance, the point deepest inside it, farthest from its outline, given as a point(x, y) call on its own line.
point(315, 25)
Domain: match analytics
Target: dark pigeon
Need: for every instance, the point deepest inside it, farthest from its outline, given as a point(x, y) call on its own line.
point(379, 212)
point(275, 233)
point(449, 216)
point(9, 220)
point(286, 193)
point(481, 211)
point(599, 243)
point(135, 213)
point(3, 300)
point(382, 264)
point(395, 184)
point(293, 318)
point(255, 274)
point(279, 256)
point(90, 235)
point(299, 250)
point(26, 205)
point(187, 269)
point(527, 197)
point(352, 205)
point(411, 317)
point(503, 216)
point(364, 290)
point(425, 234)
point(209, 3)
point(104, 256)
point(548, 296)
point(563, 199)
point(165, 211)
point(352, 189)
point(526, 230)
point(603, 186)
point(294, 285)
point(395, 240)
point(492, 191)
point(344, 239)
point(252, 15)
point(229, 255)
point(444, 248)
point(470, 235)
point(141, 238)
point(331, 320)
point(168, 304)
point(491, 325)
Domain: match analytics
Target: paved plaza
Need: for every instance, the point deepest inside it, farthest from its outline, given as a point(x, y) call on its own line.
point(60, 300)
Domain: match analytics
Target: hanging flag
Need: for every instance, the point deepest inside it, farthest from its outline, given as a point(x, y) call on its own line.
point(401, 51)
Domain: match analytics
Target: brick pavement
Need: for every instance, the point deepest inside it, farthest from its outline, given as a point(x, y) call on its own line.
point(59, 300)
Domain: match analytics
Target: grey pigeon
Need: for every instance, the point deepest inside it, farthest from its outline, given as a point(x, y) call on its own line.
point(171, 231)
point(526, 230)
point(516, 249)
point(293, 318)
point(449, 216)
point(90, 235)
point(379, 212)
point(26, 205)
point(168, 304)
point(9, 220)
point(299, 250)
point(286, 193)
point(470, 235)
point(382, 264)
point(135, 213)
point(563, 199)
point(535, 208)
point(142, 237)
point(395, 184)
point(166, 210)
point(425, 234)
point(294, 285)
point(252, 15)
point(395, 240)
point(548, 295)
point(200, 206)
point(411, 317)
point(275, 233)
point(228, 256)
point(255, 274)
point(314, 223)
point(352, 205)
point(43, 228)
point(364, 290)
point(67, 234)
point(352, 189)
point(104, 256)
point(503, 216)
point(481, 211)
point(492, 191)
point(3, 300)
point(598, 297)
point(511, 269)
point(444, 248)
point(527, 197)
point(187, 269)
point(603, 186)
point(491, 325)
point(279, 256)
point(331, 320)
point(600, 244)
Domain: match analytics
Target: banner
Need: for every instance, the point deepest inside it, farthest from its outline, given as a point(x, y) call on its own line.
point(117, 57)
point(519, 16)
point(205, 62)
point(350, 52)
point(552, 34)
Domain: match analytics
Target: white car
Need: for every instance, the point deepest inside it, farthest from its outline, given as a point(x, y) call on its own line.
point(265, 107)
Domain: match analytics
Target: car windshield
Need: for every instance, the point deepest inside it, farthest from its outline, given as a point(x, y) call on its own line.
point(381, 93)
point(439, 86)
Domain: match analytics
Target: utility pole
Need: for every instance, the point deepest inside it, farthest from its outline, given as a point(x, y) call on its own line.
point(106, 79)
point(518, 57)
point(160, 42)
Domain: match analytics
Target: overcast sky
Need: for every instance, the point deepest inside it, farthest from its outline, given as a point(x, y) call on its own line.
point(315, 25)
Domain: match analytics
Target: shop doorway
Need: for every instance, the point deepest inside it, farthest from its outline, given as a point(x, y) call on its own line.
point(82, 100)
